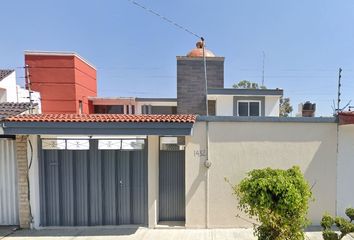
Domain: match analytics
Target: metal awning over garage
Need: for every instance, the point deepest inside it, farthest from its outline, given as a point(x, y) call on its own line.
point(99, 124)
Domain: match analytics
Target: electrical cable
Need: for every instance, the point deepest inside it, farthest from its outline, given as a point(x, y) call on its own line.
point(28, 181)
point(165, 18)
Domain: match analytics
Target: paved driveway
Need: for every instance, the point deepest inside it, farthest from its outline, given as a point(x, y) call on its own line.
point(140, 234)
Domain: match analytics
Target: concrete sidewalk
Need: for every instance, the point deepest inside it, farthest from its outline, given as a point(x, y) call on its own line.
point(141, 234)
point(6, 230)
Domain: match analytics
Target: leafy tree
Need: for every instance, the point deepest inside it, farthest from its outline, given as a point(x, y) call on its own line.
point(248, 85)
point(345, 226)
point(284, 105)
point(278, 199)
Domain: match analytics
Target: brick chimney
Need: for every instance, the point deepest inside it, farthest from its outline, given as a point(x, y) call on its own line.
point(191, 89)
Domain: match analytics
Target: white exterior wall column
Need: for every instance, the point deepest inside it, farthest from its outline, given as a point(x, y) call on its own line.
point(153, 180)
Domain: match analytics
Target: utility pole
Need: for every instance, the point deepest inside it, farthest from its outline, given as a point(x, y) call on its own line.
point(205, 77)
point(339, 89)
point(263, 64)
point(28, 83)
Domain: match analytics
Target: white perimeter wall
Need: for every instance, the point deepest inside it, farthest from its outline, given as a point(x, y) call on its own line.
point(345, 169)
point(238, 147)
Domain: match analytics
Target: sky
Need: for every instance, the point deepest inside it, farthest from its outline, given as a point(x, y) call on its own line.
point(305, 42)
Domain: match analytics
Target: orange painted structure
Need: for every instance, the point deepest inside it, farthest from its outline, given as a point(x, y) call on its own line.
point(64, 80)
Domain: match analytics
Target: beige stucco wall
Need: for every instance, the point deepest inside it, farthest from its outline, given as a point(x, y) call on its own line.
point(153, 180)
point(238, 147)
point(345, 169)
point(195, 178)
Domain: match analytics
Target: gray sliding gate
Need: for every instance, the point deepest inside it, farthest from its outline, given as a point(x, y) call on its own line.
point(93, 187)
point(171, 185)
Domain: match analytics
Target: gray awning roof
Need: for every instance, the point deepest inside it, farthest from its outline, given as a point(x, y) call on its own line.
point(246, 92)
point(97, 128)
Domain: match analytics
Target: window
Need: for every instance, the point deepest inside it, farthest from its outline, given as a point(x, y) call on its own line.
point(80, 107)
point(212, 107)
point(148, 109)
point(53, 144)
point(77, 144)
point(248, 108)
point(110, 109)
point(110, 144)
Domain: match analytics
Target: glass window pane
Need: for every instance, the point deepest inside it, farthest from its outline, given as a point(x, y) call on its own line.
point(109, 144)
point(78, 144)
point(254, 109)
point(115, 109)
point(133, 144)
point(53, 144)
point(243, 108)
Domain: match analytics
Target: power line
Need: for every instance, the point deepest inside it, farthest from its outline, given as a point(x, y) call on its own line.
point(165, 18)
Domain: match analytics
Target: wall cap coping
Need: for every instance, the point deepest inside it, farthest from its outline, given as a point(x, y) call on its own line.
point(267, 119)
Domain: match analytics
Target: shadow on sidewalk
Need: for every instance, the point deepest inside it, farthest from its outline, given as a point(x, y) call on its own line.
point(76, 231)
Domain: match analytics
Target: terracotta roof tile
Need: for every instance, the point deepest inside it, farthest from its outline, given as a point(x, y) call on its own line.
point(102, 118)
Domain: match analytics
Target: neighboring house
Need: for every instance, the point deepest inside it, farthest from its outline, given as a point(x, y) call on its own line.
point(8, 87)
point(191, 94)
point(14, 100)
point(120, 105)
point(9, 214)
point(64, 79)
point(67, 84)
point(10, 92)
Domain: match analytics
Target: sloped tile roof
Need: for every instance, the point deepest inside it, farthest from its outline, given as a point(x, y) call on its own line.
point(4, 73)
point(103, 118)
point(8, 109)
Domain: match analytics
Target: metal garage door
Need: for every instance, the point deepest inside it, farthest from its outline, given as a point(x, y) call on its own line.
point(8, 183)
point(92, 186)
point(171, 183)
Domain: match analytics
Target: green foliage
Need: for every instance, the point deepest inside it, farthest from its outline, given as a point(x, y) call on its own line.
point(248, 85)
point(285, 107)
point(278, 199)
point(327, 221)
point(350, 213)
point(330, 235)
point(344, 226)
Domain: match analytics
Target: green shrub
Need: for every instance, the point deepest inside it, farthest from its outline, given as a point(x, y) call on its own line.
point(327, 221)
point(350, 213)
point(329, 235)
point(278, 199)
point(345, 227)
